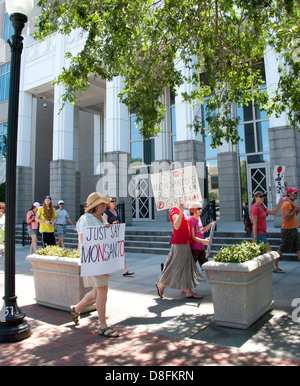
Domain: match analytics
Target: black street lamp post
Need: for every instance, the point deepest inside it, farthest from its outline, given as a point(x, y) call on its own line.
point(13, 326)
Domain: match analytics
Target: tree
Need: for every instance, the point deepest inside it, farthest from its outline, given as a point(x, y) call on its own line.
point(144, 41)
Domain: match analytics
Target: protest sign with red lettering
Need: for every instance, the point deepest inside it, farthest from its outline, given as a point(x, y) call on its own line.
point(278, 174)
point(103, 249)
point(175, 187)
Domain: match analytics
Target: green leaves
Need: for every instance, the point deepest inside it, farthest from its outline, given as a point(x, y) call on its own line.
point(239, 253)
point(149, 43)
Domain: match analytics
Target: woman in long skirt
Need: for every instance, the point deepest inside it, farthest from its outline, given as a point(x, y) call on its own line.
point(180, 270)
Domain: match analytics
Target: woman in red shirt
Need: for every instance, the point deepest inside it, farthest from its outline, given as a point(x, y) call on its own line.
point(259, 214)
point(180, 270)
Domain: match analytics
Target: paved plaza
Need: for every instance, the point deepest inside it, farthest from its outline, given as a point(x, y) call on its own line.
point(173, 331)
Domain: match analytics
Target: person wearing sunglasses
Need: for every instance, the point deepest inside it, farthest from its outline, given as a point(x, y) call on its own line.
point(259, 214)
point(197, 233)
point(290, 238)
point(111, 215)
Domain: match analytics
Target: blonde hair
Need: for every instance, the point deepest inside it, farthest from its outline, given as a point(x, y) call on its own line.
point(45, 209)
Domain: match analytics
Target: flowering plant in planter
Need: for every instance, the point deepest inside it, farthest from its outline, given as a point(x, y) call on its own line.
point(239, 253)
point(241, 293)
point(57, 278)
point(55, 250)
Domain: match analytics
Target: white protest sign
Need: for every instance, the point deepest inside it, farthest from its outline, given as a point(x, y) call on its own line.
point(278, 175)
point(174, 187)
point(102, 249)
point(211, 235)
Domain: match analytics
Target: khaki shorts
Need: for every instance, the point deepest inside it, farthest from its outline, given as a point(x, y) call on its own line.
point(96, 281)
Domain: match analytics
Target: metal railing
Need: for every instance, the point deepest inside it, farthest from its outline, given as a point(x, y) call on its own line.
point(208, 215)
point(26, 238)
point(25, 235)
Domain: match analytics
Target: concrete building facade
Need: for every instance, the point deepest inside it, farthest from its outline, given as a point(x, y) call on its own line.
point(95, 145)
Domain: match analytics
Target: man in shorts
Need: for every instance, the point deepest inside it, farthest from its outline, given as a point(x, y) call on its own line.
point(61, 223)
point(290, 238)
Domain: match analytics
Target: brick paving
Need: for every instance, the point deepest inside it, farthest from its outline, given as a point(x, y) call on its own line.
point(56, 341)
point(154, 332)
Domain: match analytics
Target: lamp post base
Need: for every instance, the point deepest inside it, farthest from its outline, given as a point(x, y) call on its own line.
point(14, 333)
point(13, 326)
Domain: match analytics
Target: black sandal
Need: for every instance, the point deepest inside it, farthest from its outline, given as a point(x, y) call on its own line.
point(128, 273)
point(75, 315)
point(109, 334)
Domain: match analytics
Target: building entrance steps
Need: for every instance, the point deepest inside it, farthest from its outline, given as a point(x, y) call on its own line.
point(153, 237)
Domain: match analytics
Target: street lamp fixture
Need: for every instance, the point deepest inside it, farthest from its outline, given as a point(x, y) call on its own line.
point(13, 326)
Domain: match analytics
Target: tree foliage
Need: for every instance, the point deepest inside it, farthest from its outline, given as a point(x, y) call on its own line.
point(147, 43)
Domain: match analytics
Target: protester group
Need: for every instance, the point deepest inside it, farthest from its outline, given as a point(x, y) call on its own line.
point(187, 244)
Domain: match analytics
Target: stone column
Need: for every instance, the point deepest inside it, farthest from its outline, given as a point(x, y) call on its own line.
point(183, 112)
point(229, 186)
point(24, 184)
point(63, 166)
point(285, 150)
point(112, 172)
point(284, 141)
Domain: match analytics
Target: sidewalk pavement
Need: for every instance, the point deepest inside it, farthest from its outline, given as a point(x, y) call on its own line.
point(173, 331)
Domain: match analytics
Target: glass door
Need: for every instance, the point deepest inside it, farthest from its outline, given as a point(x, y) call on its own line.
point(259, 180)
point(140, 190)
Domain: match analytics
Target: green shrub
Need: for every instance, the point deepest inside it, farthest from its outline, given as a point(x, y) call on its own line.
point(55, 250)
point(239, 253)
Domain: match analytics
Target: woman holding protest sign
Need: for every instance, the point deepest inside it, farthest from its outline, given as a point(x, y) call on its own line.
point(112, 216)
point(180, 270)
point(95, 205)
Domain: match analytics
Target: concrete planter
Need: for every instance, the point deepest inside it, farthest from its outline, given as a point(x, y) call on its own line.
point(241, 292)
point(57, 281)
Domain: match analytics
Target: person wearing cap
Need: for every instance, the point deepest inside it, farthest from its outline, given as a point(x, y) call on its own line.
point(94, 207)
point(61, 223)
point(180, 270)
point(290, 238)
point(33, 226)
point(46, 217)
point(259, 214)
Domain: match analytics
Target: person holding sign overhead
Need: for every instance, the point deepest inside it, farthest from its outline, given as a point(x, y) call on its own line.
point(95, 205)
point(180, 270)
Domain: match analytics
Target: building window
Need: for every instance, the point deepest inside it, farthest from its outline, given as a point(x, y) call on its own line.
point(142, 150)
point(4, 82)
point(253, 128)
point(3, 141)
point(8, 29)
point(253, 131)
